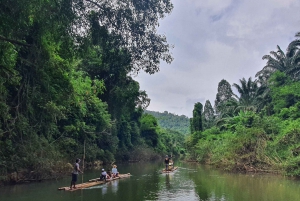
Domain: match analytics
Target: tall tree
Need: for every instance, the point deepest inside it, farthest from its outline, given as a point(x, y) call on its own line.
point(224, 94)
point(208, 115)
point(288, 63)
point(135, 23)
point(197, 122)
point(249, 94)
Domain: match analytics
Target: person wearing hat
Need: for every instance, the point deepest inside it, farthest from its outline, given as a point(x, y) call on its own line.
point(75, 173)
point(104, 175)
point(167, 160)
point(114, 171)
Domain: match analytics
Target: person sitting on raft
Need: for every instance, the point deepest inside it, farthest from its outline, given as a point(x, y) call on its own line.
point(104, 175)
point(114, 171)
point(109, 174)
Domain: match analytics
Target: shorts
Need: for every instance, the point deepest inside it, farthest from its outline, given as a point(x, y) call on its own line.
point(74, 177)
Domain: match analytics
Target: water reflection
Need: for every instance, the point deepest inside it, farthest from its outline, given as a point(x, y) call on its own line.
point(168, 184)
point(191, 182)
point(214, 185)
point(114, 186)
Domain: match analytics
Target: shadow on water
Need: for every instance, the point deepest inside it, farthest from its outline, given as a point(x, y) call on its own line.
point(190, 182)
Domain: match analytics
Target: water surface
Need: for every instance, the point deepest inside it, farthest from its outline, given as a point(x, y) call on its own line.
point(191, 182)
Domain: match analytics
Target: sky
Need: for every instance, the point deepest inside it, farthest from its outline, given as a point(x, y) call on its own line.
point(215, 40)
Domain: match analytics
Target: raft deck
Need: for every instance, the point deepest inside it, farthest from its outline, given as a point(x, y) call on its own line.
point(93, 182)
point(169, 171)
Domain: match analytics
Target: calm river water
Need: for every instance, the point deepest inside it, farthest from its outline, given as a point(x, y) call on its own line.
point(190, 182)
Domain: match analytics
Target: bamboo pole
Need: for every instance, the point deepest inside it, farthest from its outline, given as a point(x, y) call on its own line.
point(83, 160)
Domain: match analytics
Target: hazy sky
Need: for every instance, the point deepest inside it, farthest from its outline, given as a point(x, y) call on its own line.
point(215, 40)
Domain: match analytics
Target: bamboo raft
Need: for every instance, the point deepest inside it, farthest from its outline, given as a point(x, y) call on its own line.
point(93, 182)
point(169, 171)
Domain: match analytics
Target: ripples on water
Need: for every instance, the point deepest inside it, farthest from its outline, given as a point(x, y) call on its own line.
point(176, 187)
point(191, 182)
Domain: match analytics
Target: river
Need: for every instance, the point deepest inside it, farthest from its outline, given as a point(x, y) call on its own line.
point(190, 182)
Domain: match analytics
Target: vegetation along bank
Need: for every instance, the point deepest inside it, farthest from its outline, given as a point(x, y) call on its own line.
point(66, 86)
point(258, 129)
point(66, 92)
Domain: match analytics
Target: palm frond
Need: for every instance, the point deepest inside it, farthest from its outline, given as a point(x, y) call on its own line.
point(293, 47)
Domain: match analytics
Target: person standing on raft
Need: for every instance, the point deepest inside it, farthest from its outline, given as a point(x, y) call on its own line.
point(167, 160)
point(75, 173)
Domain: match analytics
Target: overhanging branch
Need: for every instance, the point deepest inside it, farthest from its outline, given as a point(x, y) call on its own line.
point(14, 41)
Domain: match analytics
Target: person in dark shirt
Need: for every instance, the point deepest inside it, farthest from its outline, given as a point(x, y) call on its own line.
point(167, 160)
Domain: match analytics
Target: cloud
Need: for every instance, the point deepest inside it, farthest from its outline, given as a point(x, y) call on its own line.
point(214, 40)
point(211, 7)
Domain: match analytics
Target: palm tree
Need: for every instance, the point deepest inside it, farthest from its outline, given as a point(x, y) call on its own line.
point(288, 63)
point(250, 95)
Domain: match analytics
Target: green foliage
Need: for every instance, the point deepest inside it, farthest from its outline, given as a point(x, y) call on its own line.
point(287, 63)
point(250, 95)
point(196, 121)
point(208, 115)
point(285, 93)
point(224, 95)
point(149, 130)
point(246, 119)
point(171, 121)
point(65, 91)
point(173, 142)
point(292, 112)
point(284, 150)
point(259, 129)
point(134, 23)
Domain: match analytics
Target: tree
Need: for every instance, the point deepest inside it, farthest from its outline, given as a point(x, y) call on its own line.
point(149, 130)
point(134, 22)
point(37, 51)
point(224, 94)
point(288, 63)
point(284, 91)
point(208, 115)
point(249, 94)
point(196, 122)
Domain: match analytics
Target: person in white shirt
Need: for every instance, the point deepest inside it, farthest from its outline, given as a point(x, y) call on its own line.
point(114, 171)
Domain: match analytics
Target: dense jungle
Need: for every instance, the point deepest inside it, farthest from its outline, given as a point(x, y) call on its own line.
point(67, 91)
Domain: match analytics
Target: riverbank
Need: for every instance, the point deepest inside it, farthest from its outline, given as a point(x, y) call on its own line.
point(60, 169)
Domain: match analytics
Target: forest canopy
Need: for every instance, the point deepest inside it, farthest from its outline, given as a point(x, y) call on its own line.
point(172, 121)
point(66, 89)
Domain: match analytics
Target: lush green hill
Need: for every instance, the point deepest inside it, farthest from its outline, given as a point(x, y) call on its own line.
point(171, 121)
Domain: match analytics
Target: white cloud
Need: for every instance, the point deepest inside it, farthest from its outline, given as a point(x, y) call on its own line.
point(214, 40)
point(211, 6)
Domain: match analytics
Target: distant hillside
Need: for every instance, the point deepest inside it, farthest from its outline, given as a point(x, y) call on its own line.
point(171, 121)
